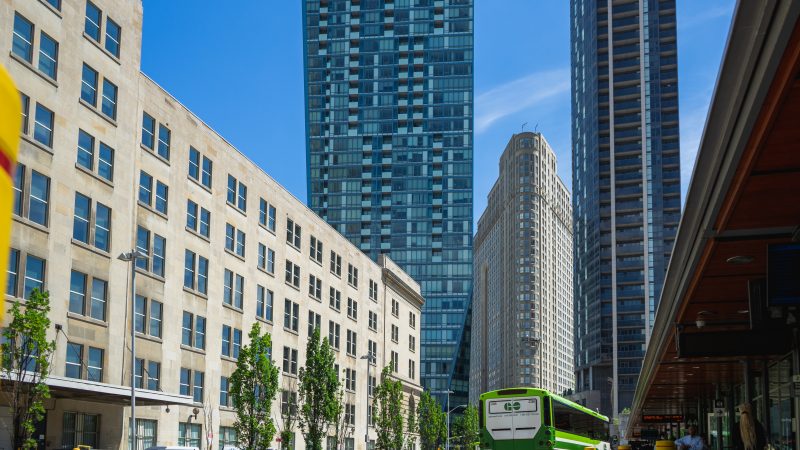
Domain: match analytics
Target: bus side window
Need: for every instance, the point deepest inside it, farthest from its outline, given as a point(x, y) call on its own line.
point(547, 421)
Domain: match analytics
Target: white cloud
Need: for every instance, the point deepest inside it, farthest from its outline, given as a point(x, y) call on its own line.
point(519, 94)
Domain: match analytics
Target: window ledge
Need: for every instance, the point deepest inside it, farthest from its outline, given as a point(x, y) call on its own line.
point(30, 223)
point(94, 175)
point(151, 209)
point(291, 331)
point(147, 337)
point(37, 144)
point(228, 358)
point(237, 256)
point(33, 69)
point(199, 351)
point(265, 228)
point(338, 310)
point(151, 275)
point(290, 245)
point(352, 318)
point(51, 8)
point(197, 293)
point(100, 47)
point(152, 152)
point(198, 235)
point(87, 319)
point(318, 300)
point(264, 321)
point(287, 374)
point(232, 308)
point(94, 109)
point(200, 185)
point(336, 275)
point(264, 271)
point(90, 248)
point(319, 263)
point(236, 208)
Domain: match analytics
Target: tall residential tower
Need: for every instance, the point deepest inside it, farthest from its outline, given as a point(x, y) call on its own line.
point(522, 301)
point(389, 97)
point(625, 186)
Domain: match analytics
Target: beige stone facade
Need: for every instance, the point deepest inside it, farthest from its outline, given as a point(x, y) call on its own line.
point(256, 242)
point(522, 312)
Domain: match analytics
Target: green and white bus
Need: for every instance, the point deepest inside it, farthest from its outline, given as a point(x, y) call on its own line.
point(535, 419)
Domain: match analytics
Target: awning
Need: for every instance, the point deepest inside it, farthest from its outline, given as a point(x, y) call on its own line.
point(743, 197)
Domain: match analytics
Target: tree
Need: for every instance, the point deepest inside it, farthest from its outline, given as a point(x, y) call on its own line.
point(431, 420)
point(319, 384)
point(466, 428)
point(253, 387)
point(387, 412)
point(26, 354)
point(412, 428)
point(341, 427)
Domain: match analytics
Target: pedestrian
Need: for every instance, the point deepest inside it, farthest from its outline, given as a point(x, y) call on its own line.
point(691, 441)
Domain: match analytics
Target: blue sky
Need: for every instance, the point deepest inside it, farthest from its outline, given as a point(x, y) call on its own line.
point(240, 69)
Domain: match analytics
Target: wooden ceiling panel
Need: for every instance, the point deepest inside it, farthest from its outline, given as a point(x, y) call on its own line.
point(768, 201)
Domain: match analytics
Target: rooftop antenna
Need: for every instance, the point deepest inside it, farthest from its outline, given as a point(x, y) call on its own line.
point(536, 128)
point(523, 127)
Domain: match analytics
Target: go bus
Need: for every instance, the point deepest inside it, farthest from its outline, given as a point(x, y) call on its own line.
point(535, 419)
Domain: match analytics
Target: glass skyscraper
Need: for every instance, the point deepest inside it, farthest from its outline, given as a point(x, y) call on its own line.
point(625, 186)
point(389, 117)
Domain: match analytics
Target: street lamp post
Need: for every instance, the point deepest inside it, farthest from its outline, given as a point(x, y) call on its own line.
point(368, 357)
point(447, 442)
point(131, 257)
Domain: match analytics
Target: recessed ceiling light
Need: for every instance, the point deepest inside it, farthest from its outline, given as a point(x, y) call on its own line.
point(695, 367)
point(740, 259)
point(743, 311)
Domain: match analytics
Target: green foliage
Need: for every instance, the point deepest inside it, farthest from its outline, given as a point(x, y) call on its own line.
point(412, 428)
point(319, 386)
point(465, 428)
point(26, 354)
point(253, 387)
point(341, 429)
point(387, 412)
point(432, 423)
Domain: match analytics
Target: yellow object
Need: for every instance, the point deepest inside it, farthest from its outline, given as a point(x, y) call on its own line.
point(623, 447)
point(665, 445)
point(10, 125)
point(588, 448)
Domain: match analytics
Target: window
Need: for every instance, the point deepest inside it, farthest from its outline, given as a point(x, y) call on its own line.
point(80, 428)
point(314, 322)
point(113, 37)
point(266, 215)
point(373, 321)
point(395, 333)
point(412, 320)
point(148, 320)
point(155, 250)
point(395, 361)
point(349, 418)
point(195, 273)
point(293, 233)
point(291, 315)
point(109, 103)
point(289, 360)
point(264, 303)
point(288, 402)
point(86, 156)
point(231, 341)
point(372, 350)
point(225, 399)
point(352, 308)
point(395, 308)
point(89, 85)
point(93, 21)
point(412, 369)
point(164, 137)
point(372, 381)
point(227, 437)
point(373, 290)
point(189, 434)
point(412, 343)
point(261, 263)
point(88, 295)
point(147, 374)
point(237, 193)
point(233, 289)
point(352, 275)
point(48, 55)
point(316, 249)
point(34, 273)
point(314, 287)
point(200, 168)
point(31, 195)
point(148, 131)
point(43, 126)
point(335, 299)
point(198, 219)
point(91, 229)
point(292, 274)
point(336, 264)
point(159, 201)
point(333, 334)
point(146, 433)
point(22, 41)
point(26, 106)
point(350, 379)
point(193, 333)
point(351, 342)
point(234, 240)
point(84, 362)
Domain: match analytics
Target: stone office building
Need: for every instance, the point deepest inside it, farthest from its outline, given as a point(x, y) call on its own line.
point(109, 161)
